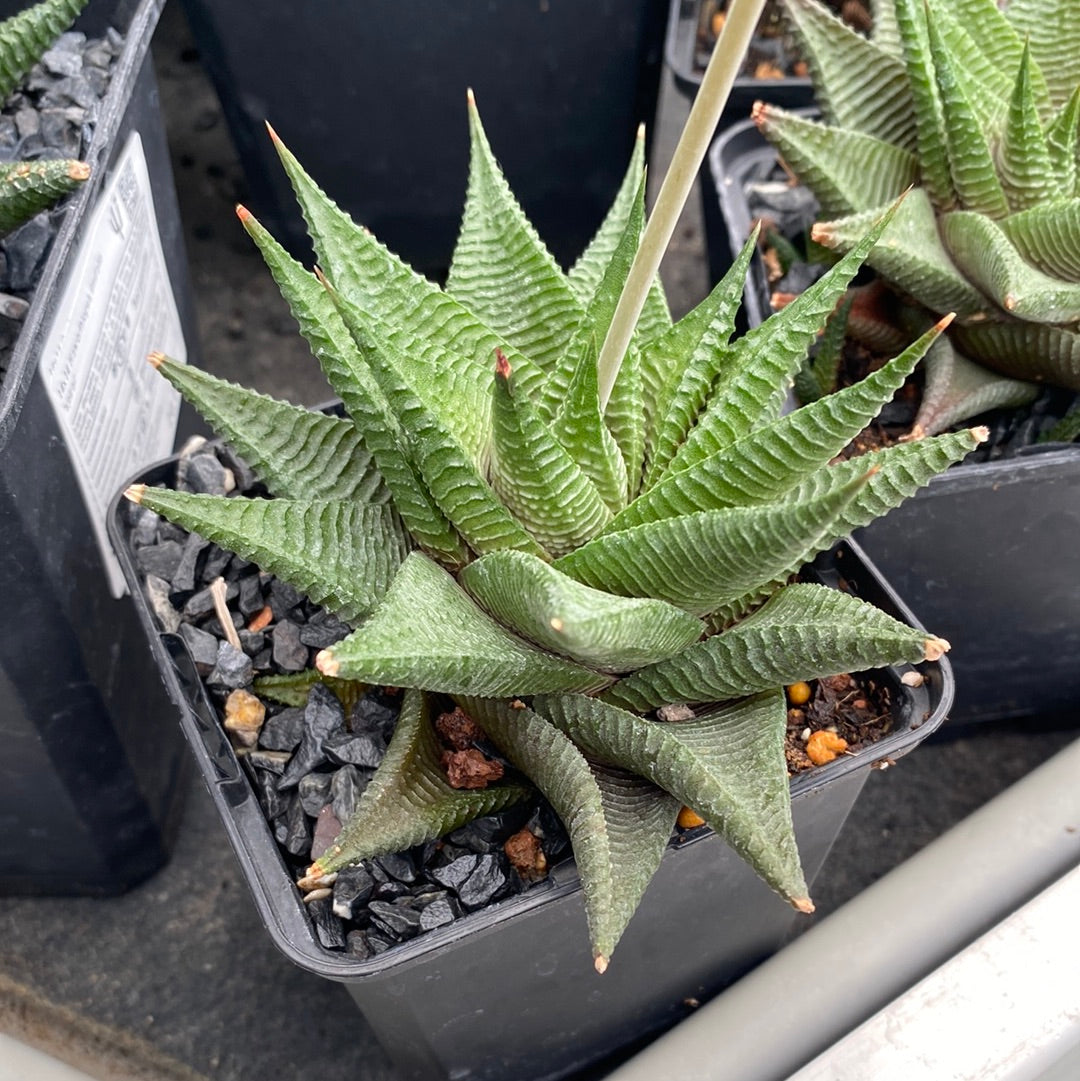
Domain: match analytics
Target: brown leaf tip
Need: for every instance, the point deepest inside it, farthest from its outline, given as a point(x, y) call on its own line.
point(243, 213)
point(79, 170)
point(156, 359)
point(270, 131)
point(944, 321)
point(980, 434)
point(327, 663)
point(936, 648)
point(600, 963)
point(135, 493)
point(803, 904)
point(502, 365)
point(759, 113)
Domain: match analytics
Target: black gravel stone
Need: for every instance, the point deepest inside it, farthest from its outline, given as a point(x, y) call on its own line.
point(314, 792)
point(483, 834)
point(250, 599)
point(244, 474)
point(356, 945)
point(327, 926)
point(283, 731)
point(25, 248)
point(233, 668)
point(390, 890)
point(204, 473)
point(160, 560)
point(186, 576)
point(345, 790)
point(144, 525)
point(438, 913)
point(283, 598)
point(352, 889)
point(169, 532)
point(323, 630)
point(290, 654)
point(252, 642)
point(264, 661)
point(298, 830)
point(272, 761)
point(212, 625)
point(455, 874)
point(489, 878)
point(202, 603)
point(400, 866)
point(323, 716)
point(271, 800)
point(217, 559)
point(365, 749)
point(397, 919)
point(372, 715)
point(203, 648)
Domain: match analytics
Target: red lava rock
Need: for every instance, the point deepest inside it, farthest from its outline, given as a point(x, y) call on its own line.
point(525, 855)
point(458, 729)
point(327, 827)
point(470, 768)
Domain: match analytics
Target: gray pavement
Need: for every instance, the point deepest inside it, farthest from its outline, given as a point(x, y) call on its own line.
point(177, 979)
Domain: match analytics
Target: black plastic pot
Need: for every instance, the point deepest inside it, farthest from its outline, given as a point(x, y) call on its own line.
point(986, 554)
point(681, 56)
point(90, 786)
point(371, 100)
point(509, 993)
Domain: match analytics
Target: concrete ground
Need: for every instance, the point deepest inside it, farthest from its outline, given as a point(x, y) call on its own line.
point(177, 980)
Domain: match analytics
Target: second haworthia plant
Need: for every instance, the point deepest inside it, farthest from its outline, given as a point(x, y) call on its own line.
point(977, 105)
point(561, 568)
point(28, 187)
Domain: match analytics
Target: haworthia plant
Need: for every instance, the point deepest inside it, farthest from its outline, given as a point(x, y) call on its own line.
point(496, 535)
point(28, 187)
point(977, 105)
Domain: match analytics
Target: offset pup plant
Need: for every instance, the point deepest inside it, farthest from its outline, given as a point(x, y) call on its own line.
point(28, 187)
point(562, 544)
point(979, 109)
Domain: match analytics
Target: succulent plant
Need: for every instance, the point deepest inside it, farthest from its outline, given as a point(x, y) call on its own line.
point(978, 109)
point(28, 187)
point(560, 569)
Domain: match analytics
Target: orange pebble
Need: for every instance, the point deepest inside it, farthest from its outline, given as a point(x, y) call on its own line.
point(689, 819)
point(798, 694)
point(261, 619)
point(824, 746)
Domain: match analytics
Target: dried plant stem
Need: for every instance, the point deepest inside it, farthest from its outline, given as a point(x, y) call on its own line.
point(711, 98)
point(217, 592)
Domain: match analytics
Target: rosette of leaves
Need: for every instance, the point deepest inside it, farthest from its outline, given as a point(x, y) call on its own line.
point(563, 568)
point(978, 109)
point(28, 187)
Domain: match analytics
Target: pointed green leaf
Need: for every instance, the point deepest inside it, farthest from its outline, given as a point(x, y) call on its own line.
point(678, 368)
point(501, 270)
point(455, 483)
point(981, 247)
point(293, 688)
point(857, 84)
point(1052, 30)
point(701, 561)
point(25, 36)
point(970, 160)
point(728, 765)
point(534, 475)
point(580, 429)
point(821, 372)
point(342, 555)
point(992, 33)
point(625, 417)
point(1034, 351)
point(847, 170)
point(884, 32)
point(619, 825)
point(804, 632)
point(333, 347)
point(417, 315)
point(409, 800)
point(764, 465)
point(988, 86)
point(28, 187)
point(585, 274)
point(762, 364)
point(1026, 171)
point(297, 453)
point(910, 254)
point(1048, 237)
point(1063, 140)
point(428, 633)
point(594, 628)
point(956, 389)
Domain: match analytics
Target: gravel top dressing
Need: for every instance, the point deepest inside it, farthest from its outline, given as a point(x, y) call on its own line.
point(51, 118)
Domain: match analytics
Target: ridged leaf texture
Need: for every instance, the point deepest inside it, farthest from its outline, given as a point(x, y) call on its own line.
point(409, 800)
point(804, 632)
point(618, 823)
point(26, 36)
point(728, 765)
point(28, 187)
point(340, 554)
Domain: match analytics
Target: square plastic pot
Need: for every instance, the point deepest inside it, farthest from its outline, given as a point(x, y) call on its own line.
point(509, 993)
point(986, 554)
point(90, 789)
point(371, 99)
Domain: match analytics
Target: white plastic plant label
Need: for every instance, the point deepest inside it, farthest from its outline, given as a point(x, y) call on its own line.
point(117, 414)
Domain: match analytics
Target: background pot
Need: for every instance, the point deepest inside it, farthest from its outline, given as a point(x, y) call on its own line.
point(509, 992)
point(89, 790)
point(986, 554)
point(373, 104)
